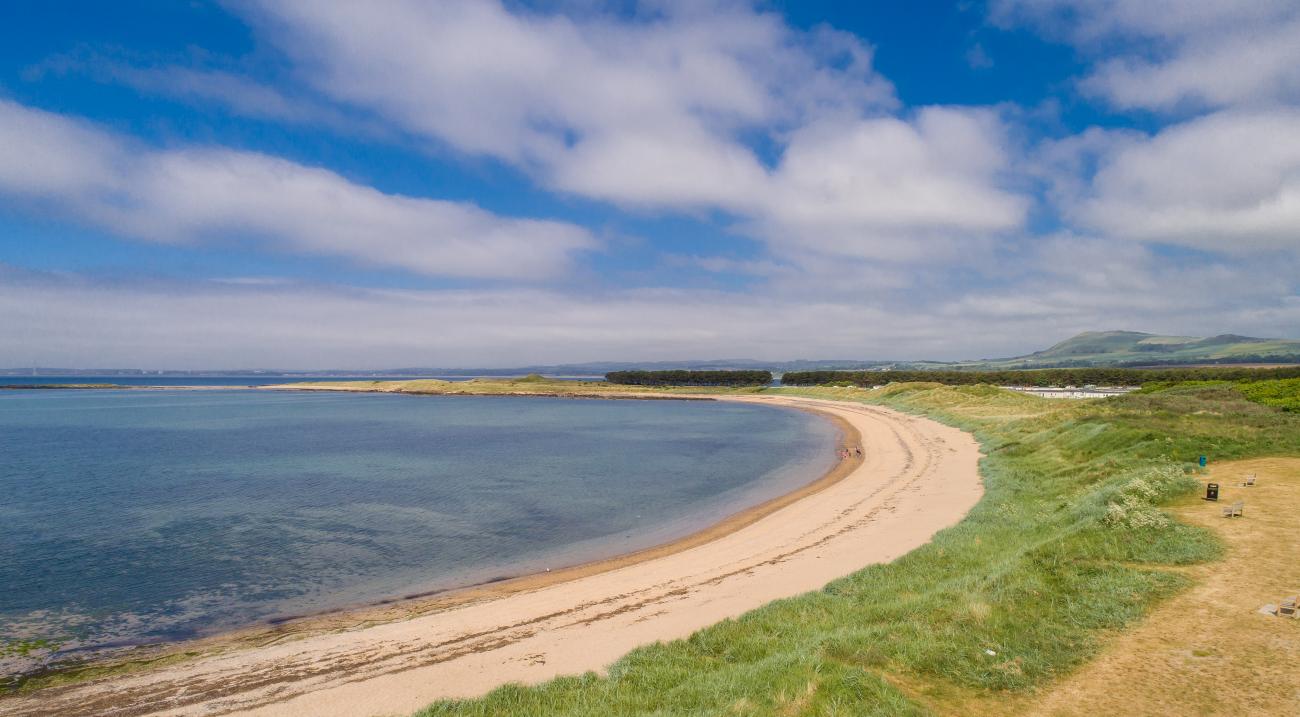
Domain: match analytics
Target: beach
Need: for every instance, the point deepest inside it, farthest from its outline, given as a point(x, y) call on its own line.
point(916, 477)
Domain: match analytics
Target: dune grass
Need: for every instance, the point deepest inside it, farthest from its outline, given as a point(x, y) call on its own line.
point(1068, 544)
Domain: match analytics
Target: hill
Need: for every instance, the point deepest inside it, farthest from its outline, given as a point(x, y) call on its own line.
point(1088, 349)
point(1134, 348)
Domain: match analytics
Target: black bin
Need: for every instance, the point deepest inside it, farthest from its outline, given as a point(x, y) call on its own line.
point(1212, 491)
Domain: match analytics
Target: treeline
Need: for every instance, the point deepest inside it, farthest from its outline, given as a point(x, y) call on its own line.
point(1042, 377)
point(690, 378)
point(1225, 361)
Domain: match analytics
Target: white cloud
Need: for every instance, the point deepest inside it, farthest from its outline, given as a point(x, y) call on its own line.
point(663, 110)
point(659, 167)
point(1228, 182)
point(692, 107)
point(241, 94)
point(891, 189)
point(1072, 284)
point(47, 154)
point(1086, 21)
point(184, 195)
point(194, 80)
point(1225, 182)
point(526, 87)
point(1232, 68)
point(1175, 53)
point(87, 323)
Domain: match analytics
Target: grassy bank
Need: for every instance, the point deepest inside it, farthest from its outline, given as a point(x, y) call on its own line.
point(1068, 544)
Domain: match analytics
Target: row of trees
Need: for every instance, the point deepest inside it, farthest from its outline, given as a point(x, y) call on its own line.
point(690, 378)
point(1226, 360)
point(1042, 377)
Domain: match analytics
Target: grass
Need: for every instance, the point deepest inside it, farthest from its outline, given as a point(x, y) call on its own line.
point(1278, 393)
point(1068, 545)
point(1213, 635)
point(1283, 394)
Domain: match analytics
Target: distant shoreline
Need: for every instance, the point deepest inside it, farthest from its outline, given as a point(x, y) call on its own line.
point(505, 387)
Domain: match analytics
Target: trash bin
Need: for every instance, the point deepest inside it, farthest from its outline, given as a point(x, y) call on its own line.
point(1212, 491)
point(1203, 460)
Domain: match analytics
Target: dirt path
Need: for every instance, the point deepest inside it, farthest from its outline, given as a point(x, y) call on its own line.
point(917, 477)
point(1208, 651)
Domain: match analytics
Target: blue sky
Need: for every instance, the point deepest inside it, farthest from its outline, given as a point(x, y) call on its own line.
point(311, 185)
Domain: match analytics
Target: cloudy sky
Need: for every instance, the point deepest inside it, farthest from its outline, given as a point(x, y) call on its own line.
point(308, 184)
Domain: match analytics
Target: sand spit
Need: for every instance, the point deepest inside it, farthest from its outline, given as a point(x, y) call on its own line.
point(918, 477)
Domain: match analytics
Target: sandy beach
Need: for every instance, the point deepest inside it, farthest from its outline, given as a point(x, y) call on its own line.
point(917, 477)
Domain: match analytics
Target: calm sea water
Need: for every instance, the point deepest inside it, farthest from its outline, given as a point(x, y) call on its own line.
point(129, 517)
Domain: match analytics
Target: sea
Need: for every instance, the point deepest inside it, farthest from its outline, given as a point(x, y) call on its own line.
point(132, 517)
point(245, 380)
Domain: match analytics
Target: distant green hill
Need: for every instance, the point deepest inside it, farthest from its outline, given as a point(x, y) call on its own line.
point(1134, 348)
point(1091, 348)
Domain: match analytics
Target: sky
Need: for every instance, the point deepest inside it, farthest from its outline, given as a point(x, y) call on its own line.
point(301, 184)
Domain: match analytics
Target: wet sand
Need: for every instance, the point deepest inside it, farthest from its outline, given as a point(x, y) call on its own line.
point(917, 477)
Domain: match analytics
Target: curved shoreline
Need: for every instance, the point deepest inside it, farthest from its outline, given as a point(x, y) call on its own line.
point(411, 605)
point(237, 668)
point(402, 607)
point(421, 603)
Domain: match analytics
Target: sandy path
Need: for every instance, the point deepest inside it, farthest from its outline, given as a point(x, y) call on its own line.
point(1209, 651)
point(917, 478)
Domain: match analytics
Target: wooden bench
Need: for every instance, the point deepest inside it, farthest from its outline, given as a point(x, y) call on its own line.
point(1287, 608)
point(1234, 510)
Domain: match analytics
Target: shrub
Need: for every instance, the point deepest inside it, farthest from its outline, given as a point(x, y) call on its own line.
point(1047, 377)
point(690, 378)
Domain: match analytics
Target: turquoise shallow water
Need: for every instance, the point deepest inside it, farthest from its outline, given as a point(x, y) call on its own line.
point(129, 517)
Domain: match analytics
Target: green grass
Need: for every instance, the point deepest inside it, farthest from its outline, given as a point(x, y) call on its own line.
point(1067, 545)
point(1279, 393)
point(1283, 394)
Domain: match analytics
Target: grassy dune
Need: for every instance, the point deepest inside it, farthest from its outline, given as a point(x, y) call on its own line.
point(1068, 545)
